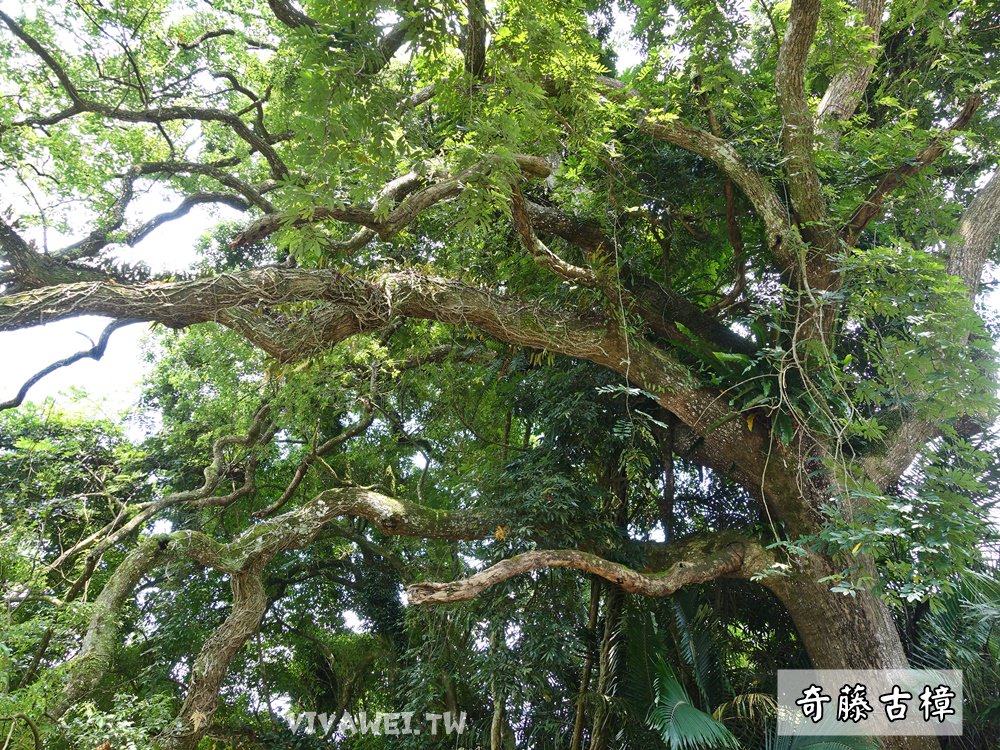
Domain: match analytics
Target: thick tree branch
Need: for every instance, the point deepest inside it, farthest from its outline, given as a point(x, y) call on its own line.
point(291, 16)
point(292, 338)
point(652, 302)
point(585, 234)
point(796, 115)
point(388, 45)
point(662, 309)
point(30, 269)
point(183, 303)
point(214, 658)
point(474, 49)
point(978, 230)
point(844, 93)
point(696, 560)
point(97, 651)
point(351, 305)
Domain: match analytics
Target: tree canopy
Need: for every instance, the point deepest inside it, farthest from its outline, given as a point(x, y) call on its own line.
point(684, 298)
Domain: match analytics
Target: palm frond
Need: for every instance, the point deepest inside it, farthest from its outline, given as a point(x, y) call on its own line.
point(682, 725)
point(774, 741)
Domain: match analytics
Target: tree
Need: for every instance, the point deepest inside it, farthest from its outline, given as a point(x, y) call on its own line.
point(770, 231)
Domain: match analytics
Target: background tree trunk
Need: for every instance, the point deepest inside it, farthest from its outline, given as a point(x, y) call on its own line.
point(608, 662)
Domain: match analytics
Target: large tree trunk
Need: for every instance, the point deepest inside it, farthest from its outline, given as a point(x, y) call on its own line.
point(844, 632)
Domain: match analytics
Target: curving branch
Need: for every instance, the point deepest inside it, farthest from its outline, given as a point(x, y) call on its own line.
point(254, 194)
point(95, 352)
point(94, 242)
point(190, 201)
point(160, 115)
point(542, 254)
point(216, 33)
point(782, 238)
point(256, 101)
point(31, 269)
point(692, 560)
point(390, 194)
point(243, 559)
point(411, 203)
point(696, 560)
point(99, 239)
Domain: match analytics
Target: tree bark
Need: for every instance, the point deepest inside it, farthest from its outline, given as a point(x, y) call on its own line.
point(212, 664)
point(607, 668)
point(588, 665)
point(844, 632)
